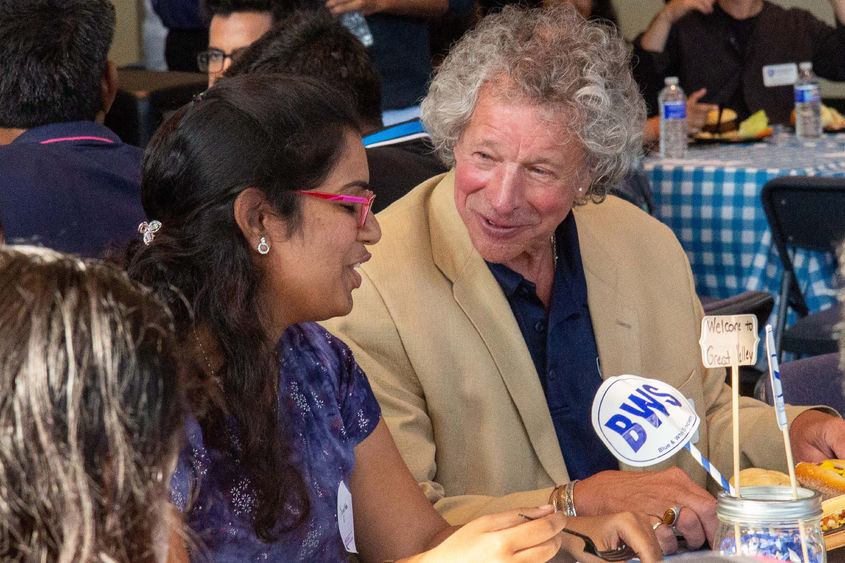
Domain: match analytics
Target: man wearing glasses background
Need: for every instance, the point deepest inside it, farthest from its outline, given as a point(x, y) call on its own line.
point(235, 24)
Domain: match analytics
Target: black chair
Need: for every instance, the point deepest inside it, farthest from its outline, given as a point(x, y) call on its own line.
point(804, 212)
point(145, 96)
point(636, 188)
point(816, 380)
point(757, 303)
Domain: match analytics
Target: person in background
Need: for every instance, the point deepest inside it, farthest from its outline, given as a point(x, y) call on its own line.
point(313, 43)
point(187, 32)
point(401, 47)
point(738, 54)
point(91, 419)
point(236, 24)
point(590, 9)
point(259, 213)
point(502, 294)
point(66, 180)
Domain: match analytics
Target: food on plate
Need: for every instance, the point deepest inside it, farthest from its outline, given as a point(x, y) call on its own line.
point(721, 124)
point(833, 514)
point(832, 120)
point(754, 127)
point(833, 520)
point(826, 477)
point(755, 476)
point(757, 125)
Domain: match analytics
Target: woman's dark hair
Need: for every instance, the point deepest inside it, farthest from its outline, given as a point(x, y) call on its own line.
point(314, 43)
point(277, 133)
point(91, 405)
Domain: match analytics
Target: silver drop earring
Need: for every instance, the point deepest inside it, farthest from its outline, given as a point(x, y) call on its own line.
point(263, 247)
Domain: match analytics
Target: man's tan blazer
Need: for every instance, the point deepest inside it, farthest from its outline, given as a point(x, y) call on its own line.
point(435, 334)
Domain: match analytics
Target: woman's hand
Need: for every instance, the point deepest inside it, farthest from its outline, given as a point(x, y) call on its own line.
point(508, 536)
point(608, 531)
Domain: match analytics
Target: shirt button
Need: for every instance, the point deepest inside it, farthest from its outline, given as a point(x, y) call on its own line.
point(540, 326)
point(552, 374)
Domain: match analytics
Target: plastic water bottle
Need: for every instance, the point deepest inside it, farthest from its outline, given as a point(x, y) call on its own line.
point(808, 103)
point(357, 24)
point(673, 120)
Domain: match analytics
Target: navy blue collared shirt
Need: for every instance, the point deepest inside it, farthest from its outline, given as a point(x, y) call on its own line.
point(563, 348)
point(71, 186)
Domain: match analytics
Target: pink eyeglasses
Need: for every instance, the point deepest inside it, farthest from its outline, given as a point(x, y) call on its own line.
point(360, 204)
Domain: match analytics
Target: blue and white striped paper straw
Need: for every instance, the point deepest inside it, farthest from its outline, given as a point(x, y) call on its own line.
point(711, 469)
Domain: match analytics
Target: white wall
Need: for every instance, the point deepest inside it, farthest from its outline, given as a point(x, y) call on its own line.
point(635, 15)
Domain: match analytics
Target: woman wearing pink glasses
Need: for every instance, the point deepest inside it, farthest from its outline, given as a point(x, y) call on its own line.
point(258, 209)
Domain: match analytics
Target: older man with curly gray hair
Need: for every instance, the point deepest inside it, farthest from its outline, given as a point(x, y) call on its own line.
point(503, 292)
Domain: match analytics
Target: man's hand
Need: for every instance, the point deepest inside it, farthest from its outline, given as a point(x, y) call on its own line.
point(366, 7)
point(839, 10)
point(411, 8)
point(696, 112)
point(817, 436)
point(676, 9)
point(654, 38)
point(652, 492)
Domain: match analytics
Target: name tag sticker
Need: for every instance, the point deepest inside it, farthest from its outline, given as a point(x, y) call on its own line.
point(345, 522)
point(785, 74)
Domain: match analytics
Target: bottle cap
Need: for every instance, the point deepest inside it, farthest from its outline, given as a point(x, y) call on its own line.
point(673, 80)
point(767, 504)
point(806, 65)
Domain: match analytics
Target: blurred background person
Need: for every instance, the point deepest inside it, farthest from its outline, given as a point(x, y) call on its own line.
point(66, 180)
point(236, 24)
point(313, 43)
point(92, 412)
point(726, 47)
point(187, 32)
point(401, 47)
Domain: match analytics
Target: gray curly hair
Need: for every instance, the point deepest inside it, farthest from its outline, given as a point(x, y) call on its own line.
point(578, 70)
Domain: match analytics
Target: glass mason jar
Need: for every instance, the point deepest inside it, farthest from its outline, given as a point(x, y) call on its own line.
point(771, 524)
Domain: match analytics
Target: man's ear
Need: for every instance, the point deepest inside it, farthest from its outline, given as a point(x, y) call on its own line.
point(108, 89)
point(251, 214)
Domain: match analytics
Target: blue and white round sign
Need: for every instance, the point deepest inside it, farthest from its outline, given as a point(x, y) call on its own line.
point(642, 421)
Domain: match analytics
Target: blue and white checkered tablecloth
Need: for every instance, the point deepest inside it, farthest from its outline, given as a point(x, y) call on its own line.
point(711, 200)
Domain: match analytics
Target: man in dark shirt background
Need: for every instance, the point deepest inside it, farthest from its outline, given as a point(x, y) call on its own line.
point(313, 43)
point(726, 46)
point(66, 180)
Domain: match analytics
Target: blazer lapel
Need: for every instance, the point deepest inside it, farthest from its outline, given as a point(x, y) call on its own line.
point(615, 321)
point(478, 294)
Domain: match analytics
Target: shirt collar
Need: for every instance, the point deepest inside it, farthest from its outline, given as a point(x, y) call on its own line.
point(568, 261)
point(67, 129)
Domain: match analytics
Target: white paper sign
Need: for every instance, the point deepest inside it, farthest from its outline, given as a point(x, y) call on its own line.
point(785, 74)
point(345, 521)
point(729, 340)
point(642, 421)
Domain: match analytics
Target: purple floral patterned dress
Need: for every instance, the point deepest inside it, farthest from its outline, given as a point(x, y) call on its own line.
point(329, 408)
